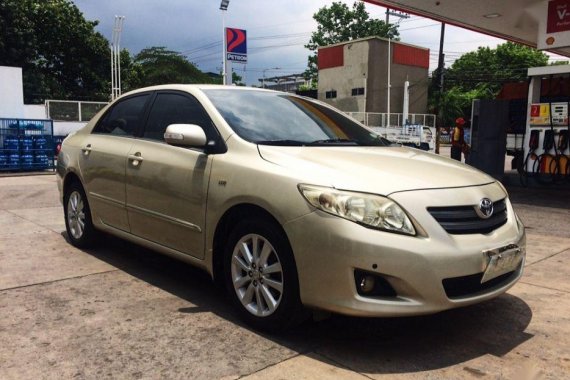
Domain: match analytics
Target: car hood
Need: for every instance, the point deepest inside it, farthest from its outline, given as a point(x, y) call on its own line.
point(379, 170)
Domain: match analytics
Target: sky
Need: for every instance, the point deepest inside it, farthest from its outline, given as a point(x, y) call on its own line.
point(276, 31)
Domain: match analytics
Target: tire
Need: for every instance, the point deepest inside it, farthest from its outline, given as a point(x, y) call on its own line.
point(262, 283)
point(77, 214)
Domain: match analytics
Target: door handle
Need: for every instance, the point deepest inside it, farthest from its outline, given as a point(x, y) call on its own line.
point(136, 158)
point(86, 149)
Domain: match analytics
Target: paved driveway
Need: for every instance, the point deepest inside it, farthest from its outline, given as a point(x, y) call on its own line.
point(121, 311)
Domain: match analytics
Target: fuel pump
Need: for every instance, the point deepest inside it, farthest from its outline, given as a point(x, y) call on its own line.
point(547, 137)
point(562, 170)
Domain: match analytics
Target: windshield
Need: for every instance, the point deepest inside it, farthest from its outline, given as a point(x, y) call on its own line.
point(280, 119)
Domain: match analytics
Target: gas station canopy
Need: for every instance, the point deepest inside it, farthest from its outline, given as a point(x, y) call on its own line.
point(540, 23)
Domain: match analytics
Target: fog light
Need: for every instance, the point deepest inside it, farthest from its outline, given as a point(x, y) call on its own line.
point(367, 284)
point(370, 284)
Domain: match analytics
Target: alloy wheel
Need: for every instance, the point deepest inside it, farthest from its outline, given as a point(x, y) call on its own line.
point(76, 215)
point(257, 275)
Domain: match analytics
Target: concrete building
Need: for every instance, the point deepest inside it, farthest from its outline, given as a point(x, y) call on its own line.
point(353, 75)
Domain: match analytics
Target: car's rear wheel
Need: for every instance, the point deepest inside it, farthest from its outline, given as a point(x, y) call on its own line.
point(261, 276)
point(78, 223)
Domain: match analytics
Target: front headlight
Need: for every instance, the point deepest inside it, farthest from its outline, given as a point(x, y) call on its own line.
point(369, 210)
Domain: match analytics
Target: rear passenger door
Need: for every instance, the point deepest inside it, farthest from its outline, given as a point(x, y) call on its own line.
point(104, 159)
point(167, 185)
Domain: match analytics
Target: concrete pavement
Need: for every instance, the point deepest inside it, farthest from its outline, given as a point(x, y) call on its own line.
point(121, 311)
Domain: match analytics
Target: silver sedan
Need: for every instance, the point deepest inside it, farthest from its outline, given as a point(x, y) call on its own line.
point(290, 204)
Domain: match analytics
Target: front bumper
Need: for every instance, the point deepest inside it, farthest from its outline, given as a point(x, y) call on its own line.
point(329, 249)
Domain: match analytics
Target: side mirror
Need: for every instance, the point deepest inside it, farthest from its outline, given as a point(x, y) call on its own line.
point(190, 135)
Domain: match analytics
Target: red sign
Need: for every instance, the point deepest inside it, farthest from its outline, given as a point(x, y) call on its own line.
point(558, 16)
point(236, 48)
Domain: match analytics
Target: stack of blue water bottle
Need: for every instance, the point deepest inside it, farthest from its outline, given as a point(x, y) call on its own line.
point(26, 144)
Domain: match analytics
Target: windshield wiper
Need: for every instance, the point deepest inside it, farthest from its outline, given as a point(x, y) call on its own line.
point(287, 142)
point(282, 142)
point(333, 141)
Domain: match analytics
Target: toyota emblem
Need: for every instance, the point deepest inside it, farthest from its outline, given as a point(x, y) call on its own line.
point(485, 209)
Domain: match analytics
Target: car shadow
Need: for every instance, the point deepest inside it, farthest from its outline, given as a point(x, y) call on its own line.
point(366, 345)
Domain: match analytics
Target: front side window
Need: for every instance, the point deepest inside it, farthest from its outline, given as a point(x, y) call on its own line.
point(124, 117)
point(175, 109)
point(281, 119)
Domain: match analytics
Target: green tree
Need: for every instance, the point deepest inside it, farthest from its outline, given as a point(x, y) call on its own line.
point(488, 68)
point(131, 72)
point(237, 79)
point(61, 55)
point(480, 75)
point(339, 23)
point(160, 66)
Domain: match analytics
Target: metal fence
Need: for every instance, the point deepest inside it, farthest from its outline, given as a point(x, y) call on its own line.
point(373, 119)
point(70, 110)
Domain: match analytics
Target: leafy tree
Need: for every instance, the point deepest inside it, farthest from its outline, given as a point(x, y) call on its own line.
point(339, 23)
point(131, 72)
point(61, 55)
point(160, 66)
point(237, 79)
point(488, 68)
point(480, 75)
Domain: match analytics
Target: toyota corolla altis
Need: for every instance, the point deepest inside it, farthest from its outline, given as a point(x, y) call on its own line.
point(289, 203)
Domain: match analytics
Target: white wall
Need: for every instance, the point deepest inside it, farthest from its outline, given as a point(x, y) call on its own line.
point(11, 92)
point(34, 111)
point(12, 102)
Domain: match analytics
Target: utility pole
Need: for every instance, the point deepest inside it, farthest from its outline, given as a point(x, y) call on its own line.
point(440, 87)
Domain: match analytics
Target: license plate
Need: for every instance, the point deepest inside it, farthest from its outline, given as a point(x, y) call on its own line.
point(502, 260)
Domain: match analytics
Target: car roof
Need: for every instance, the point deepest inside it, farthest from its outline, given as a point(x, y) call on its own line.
point(193, 87)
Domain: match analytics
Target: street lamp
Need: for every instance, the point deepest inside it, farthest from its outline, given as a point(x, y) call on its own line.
point(264, 70)
point(224, 7)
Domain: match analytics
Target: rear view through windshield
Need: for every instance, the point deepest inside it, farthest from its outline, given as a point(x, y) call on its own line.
point(280, 119)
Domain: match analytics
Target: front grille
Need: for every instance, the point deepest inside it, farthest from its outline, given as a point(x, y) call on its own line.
point(471, 285)
point(460, 220)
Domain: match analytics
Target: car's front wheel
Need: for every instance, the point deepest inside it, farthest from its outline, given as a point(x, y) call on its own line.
point(261, 276)
point(78, 224)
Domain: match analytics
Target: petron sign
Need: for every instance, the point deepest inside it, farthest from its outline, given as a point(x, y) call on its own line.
point(236, 45)
point(555, 27)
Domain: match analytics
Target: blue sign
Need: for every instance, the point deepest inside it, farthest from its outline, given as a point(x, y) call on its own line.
point(236, 45)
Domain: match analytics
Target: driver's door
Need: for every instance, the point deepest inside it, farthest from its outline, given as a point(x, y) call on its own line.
point(167, 185)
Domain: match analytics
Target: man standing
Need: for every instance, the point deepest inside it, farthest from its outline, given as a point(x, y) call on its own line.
point(457, 139)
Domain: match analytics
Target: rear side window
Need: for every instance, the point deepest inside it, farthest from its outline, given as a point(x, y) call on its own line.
point(175, 109)
point(124, 118)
